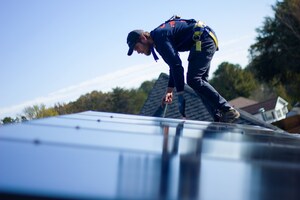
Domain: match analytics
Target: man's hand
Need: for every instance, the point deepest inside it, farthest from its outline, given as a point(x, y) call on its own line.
point(168, 98)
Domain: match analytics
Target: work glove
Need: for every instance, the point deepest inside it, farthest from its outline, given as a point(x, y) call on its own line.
point(181, 104)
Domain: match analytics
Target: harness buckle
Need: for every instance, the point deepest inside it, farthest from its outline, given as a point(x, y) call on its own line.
point(199, 28)
point(197, 36)
point(197, 39)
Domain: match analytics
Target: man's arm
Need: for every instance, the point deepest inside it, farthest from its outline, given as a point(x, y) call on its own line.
point(171, 57)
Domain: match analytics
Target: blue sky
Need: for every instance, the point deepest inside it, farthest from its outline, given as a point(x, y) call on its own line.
point(56, 50)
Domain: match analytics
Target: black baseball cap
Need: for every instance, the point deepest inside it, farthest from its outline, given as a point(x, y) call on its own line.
point(132, 38)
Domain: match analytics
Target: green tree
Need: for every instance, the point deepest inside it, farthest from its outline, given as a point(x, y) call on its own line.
point(62, 108)
point(124, 101)
point(119, 100)
point(147, 86)
point(8, 120)
point(232, 81)
point(274, 58)
point(23, 118)
point(96, 101)
point(38, 111)
point(292, 8)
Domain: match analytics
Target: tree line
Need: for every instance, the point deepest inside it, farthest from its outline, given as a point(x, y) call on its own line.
point(273, 70)
point(274, 60)
point(119, 100)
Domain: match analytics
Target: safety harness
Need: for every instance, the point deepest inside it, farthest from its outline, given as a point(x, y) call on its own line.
point(199, 28)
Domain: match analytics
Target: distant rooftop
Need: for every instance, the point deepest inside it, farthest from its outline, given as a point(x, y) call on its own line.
point(241, 102)
point(267, 105)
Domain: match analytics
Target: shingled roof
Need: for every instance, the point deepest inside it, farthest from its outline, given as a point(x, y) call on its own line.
point(195, 109)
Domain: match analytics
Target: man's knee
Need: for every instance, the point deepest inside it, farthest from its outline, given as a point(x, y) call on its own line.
point(194, 82)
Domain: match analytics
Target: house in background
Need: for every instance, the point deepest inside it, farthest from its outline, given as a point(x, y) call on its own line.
point(291, 123)
point(270, 111)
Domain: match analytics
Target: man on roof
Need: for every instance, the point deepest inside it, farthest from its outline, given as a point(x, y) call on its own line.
point(178, 35)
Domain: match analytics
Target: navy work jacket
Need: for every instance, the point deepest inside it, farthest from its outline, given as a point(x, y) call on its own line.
point(170, 38)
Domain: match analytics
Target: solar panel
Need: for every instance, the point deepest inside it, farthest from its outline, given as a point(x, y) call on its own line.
point(97, 155)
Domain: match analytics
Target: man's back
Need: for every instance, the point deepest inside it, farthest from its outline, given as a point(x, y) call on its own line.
point(177, 32)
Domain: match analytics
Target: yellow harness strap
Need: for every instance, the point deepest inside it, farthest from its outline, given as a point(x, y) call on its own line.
point(196, 38)
point(200, 28)
point(213, 36)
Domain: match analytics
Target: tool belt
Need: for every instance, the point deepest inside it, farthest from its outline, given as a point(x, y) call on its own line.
point(199, 28)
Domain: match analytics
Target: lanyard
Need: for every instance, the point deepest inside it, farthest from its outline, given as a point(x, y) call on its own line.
point(154, 54)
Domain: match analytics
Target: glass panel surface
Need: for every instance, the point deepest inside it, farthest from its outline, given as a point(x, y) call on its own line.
point(94, 155)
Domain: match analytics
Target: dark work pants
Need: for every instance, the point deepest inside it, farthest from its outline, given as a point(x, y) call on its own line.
point(197, 77)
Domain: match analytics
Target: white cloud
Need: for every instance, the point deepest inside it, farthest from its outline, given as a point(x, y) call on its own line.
point(130, 77)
